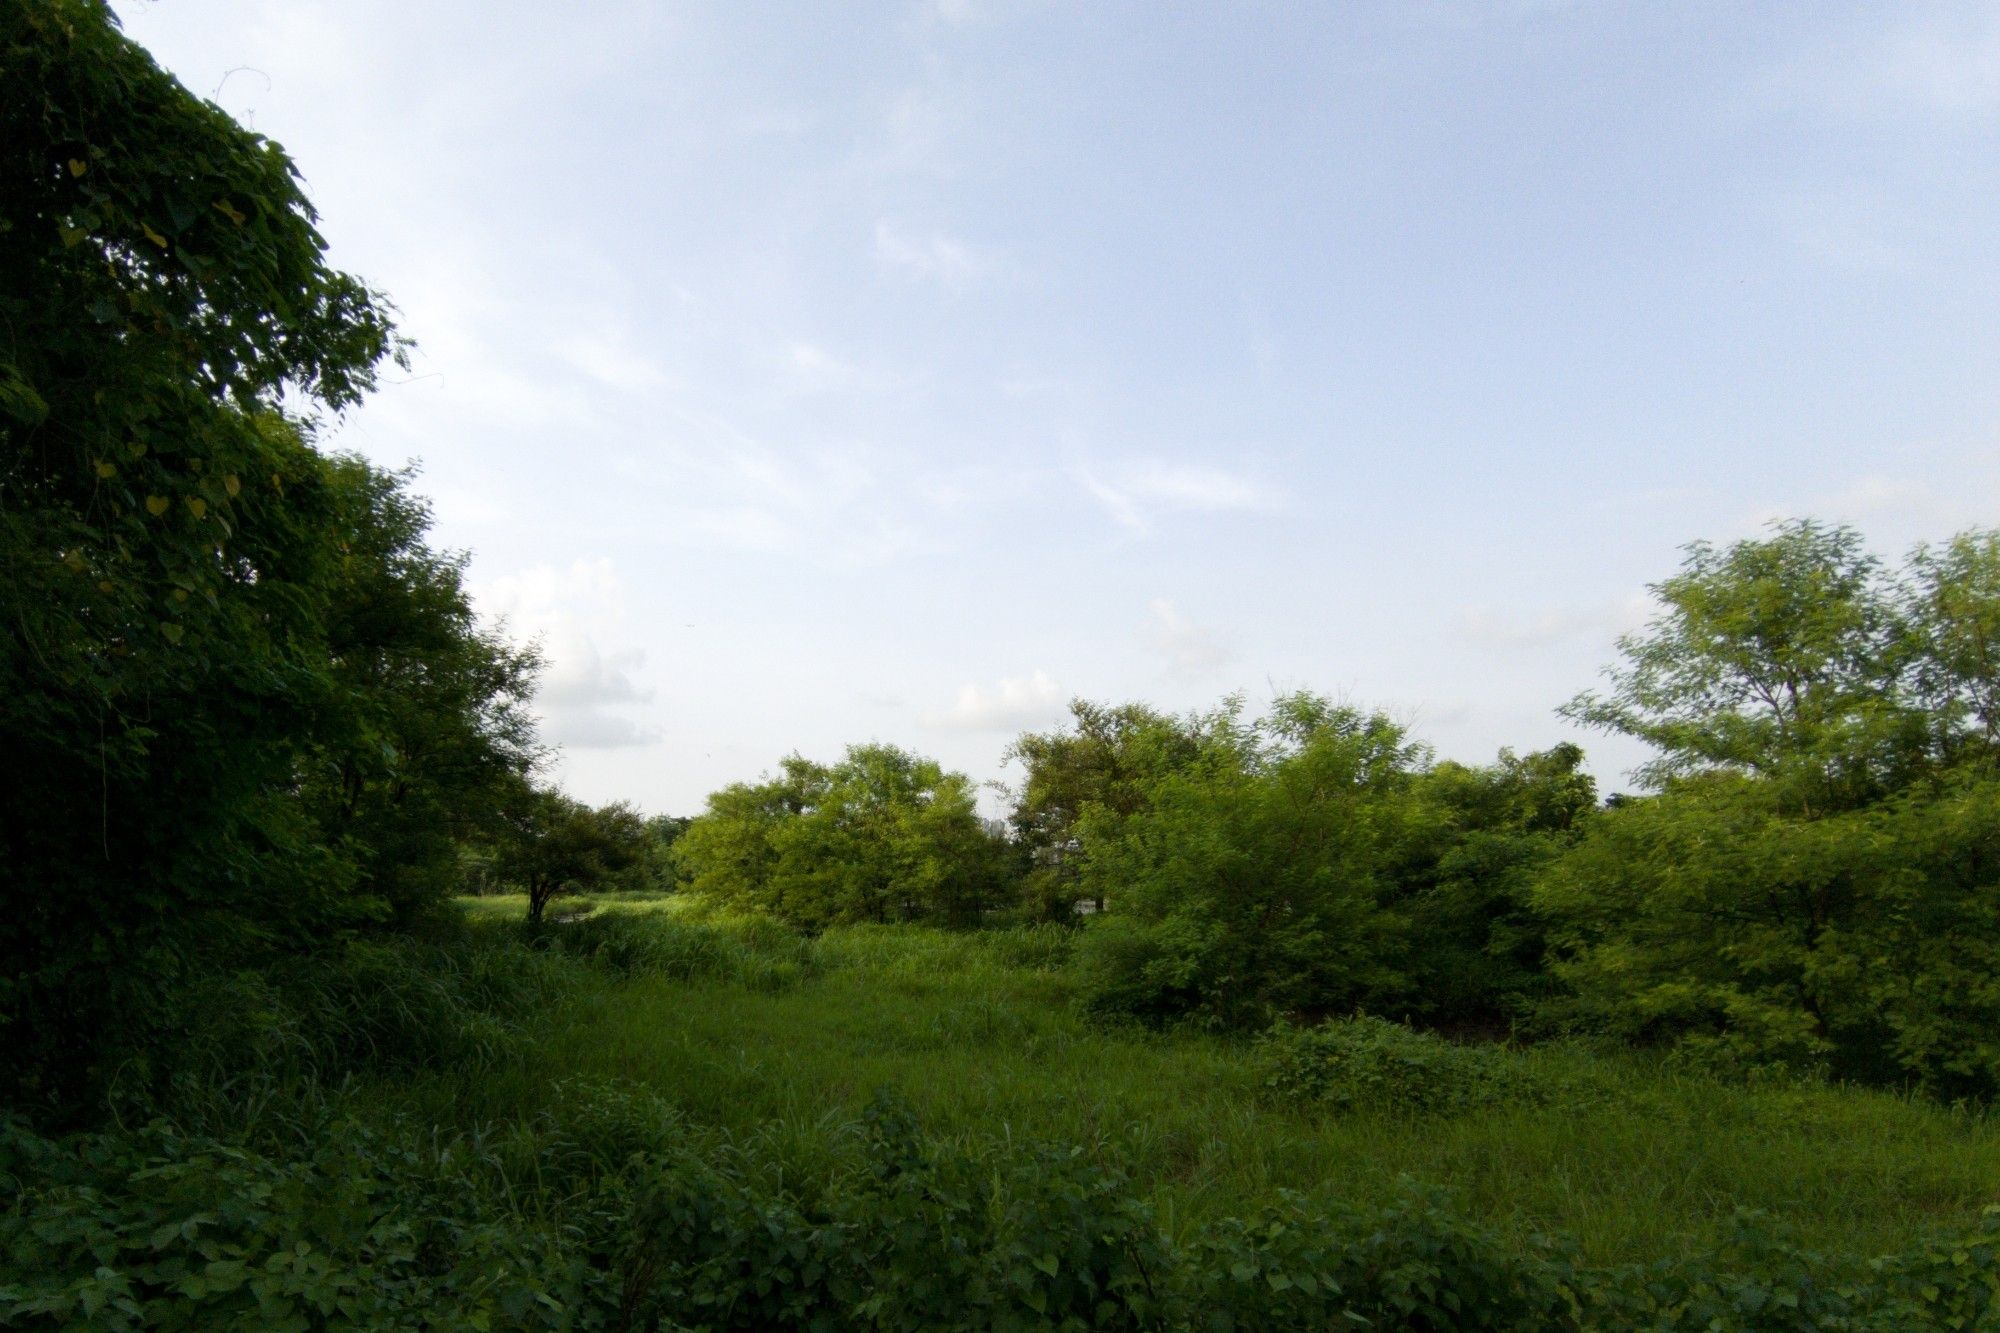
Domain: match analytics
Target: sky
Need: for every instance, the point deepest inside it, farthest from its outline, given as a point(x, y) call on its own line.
point(809, 375)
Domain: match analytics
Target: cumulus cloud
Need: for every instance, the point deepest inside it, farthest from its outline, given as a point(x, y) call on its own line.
point(1187, 647)
point(572, 612)
point(1016, 703)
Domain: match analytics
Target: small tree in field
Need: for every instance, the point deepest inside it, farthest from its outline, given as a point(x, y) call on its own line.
point(558, 845)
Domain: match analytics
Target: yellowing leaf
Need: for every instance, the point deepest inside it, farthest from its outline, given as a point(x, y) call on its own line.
point(227, 210)
point(172, 631)
point(104, 585)
point(279, 482)
point(153, 236)
point(137, 448)
point(232, 485)
point(77, 166)
point(106, 471)
point(74, 561)
point(156, 505)
point(198, 506)
point(180, 594)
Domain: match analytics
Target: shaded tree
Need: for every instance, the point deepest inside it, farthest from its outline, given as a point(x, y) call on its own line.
point(553, 844)
point(166, 561)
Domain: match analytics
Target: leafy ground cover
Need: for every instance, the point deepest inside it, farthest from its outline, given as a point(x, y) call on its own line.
point(772, 1039)
point(642, 1116)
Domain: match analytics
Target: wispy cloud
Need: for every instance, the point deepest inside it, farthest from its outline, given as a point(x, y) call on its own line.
point(1016, 703)
point(1913, 62)
point(1135, 494)
point(1902, 501)
point(932, 255)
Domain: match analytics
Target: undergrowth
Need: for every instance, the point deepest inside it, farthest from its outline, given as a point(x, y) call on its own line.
point(292, 1164)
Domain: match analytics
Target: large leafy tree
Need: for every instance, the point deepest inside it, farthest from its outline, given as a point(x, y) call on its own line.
point(884, 835)
point(239, 687)
point(554, 844)
point(426, 737)
point(1780, 657)
point(1816, 878)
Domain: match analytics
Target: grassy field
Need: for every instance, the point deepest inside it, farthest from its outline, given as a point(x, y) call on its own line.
point(760, 1038)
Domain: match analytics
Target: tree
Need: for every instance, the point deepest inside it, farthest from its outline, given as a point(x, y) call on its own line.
point(1952, 617)
point(1257, 882)
point(1780, 657)
point(164, 552)
point(554, 845)
point(427, 731)
point(1816, 879)
point(884, 835)
point(1106, 760)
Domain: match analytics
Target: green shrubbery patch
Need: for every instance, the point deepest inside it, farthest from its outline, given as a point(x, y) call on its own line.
point(1371, 1063)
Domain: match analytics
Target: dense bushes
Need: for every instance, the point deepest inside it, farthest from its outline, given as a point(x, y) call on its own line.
point(1866, 941)
point(1369, 1063)
point(1315, 861)
point(640, 1229)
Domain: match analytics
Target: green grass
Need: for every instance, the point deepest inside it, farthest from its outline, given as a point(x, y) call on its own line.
point(764, 1039)
point(501, 908)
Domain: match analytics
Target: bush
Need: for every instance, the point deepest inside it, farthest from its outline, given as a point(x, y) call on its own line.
point(603, 1213)
point(154, 1230)
point(1370, 1063)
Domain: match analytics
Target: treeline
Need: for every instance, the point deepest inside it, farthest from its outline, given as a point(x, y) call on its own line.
point(1811, 879)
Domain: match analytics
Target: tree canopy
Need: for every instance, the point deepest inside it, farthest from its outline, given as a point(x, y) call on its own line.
point(884, 835)
point(251, 699)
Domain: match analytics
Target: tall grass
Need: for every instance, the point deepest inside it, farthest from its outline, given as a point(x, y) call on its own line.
point(520, 1089)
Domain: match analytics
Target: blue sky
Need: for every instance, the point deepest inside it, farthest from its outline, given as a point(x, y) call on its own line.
point(806, 375)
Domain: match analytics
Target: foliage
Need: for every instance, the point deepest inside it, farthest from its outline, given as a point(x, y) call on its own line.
point(1105, 764)
point(1371, 1063)
point(1776, 657)
point(1314, 861)
point(255, 705)
point(1867, 940)
point(554, 844)
point(1815, 882)
point(883, 835)
point(426, 734)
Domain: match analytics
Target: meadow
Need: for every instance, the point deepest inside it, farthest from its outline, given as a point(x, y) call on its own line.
point(777, 1041)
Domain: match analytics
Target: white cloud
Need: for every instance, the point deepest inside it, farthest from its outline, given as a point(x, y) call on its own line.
point(571, 612)
point(1017, 703)
point(1896, 504)
point(612, 362)
point(1138, 492)
point(935, 255)
point(1187, 647)
point(813, 369)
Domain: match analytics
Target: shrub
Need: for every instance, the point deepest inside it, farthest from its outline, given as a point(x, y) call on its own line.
point(155, 1230)
point(1374, 1064)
